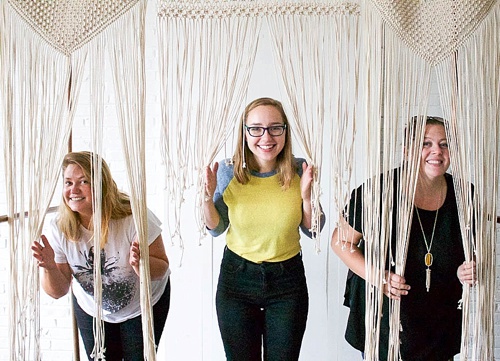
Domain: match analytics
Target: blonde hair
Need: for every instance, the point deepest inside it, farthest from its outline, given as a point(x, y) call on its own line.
point(285, 162)
point(115, 204)
point(429, 120)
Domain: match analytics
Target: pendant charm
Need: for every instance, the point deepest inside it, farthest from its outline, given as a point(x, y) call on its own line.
point(428, 259)
point(428, 278)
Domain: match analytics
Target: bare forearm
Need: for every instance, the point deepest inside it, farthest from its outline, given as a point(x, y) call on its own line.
point(306, 214)
point(212, 217)
point(349, 254)
point(157, 268)
point(54, 282)
point(354, 259)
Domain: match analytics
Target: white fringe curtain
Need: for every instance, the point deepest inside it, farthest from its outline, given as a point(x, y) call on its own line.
point(370, 77)
point(39, 88)
point(310, 42)
point(396, 86)
point(386, 82)
point(42, 55)
point(97, 61)
point(403, 43)
point(127, 51)
point(470, 91)
point(207, 51)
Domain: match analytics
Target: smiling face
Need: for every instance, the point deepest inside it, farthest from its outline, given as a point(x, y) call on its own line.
point(435, 158)
point(265, 148)
point(77, 192)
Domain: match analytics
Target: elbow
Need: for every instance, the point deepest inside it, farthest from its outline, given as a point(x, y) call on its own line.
point(160, 270)
point(219, 228)
point(56, 289)
point(334, 239)
point(335, 243)
point(57, 294)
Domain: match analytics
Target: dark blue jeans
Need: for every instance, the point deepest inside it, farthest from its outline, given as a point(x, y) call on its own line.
point(262, 306)
point(123, 341)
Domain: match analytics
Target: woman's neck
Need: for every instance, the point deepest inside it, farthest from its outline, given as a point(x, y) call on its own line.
point(266, 167)
point(430, 194)
point(86, 222)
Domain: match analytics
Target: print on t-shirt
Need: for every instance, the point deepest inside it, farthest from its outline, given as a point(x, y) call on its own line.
point(117, 283)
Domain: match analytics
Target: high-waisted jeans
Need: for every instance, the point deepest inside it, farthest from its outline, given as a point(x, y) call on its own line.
point(123, 341)
point(262, 307)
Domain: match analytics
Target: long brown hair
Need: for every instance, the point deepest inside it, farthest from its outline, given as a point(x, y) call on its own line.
point(285, 164)
point(114, 203)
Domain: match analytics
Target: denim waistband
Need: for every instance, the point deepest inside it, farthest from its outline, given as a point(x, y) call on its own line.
point(231, 254)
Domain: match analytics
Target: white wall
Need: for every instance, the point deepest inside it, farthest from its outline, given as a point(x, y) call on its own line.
point(191, 332)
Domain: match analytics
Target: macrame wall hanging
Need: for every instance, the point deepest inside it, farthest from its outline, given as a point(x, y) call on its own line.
point(374, 77)
point(470, 91)
point(213, 52)
point(370, 73)
point(39, 94)
point(207, 51)
point(315, 43)
point(403, 43)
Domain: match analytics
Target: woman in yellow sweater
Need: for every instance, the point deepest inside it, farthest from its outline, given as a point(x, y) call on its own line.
point(262, 197)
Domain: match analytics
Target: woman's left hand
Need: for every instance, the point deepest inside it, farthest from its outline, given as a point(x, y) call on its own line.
point(395, 286)
point(158, 260)
point(135, 254)
point(306, 181)
point(466, 273)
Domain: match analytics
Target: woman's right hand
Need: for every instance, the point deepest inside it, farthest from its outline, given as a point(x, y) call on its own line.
point(466, 273)
point(44, 254)
point(210, 181)
point(212, 217)
point(56, 278)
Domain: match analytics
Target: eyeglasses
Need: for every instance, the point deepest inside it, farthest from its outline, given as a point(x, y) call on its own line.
point(273, 131)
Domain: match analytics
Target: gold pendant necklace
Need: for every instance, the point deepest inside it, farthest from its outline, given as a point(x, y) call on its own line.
point(428, 256)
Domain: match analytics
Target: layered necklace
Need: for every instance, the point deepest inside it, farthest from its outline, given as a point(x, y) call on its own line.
point(428, 256)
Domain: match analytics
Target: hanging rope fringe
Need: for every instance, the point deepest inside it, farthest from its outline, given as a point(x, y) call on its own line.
point(308, 47)
point(205, 30)
point(39, 94)
point(468, 83)
point(365, 65)
point(36, 94)
point(129, 79)
point(214, 52)
point(398, 86)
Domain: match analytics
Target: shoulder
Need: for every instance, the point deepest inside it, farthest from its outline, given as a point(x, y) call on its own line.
point(450, 181)
point(226, 166)
point(225, 173)
point(152, 218)
point(53, 222)
point(451, 186)
point(449, 178)
point(120, 225)
point(54, 226)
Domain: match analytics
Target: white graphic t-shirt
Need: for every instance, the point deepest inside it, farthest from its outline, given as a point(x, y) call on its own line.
point(120, 284)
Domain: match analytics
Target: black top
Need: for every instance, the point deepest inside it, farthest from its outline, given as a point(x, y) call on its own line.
point(431, 322)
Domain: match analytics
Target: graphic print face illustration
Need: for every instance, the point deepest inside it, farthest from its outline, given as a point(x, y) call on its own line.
point(117, 284)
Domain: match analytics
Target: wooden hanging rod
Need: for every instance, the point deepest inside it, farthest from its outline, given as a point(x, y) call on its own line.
point(6, 218)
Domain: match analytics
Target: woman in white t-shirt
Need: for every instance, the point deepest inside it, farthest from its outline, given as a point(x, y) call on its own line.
point(67, 253)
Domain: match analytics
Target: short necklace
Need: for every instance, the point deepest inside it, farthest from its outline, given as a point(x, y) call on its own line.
point(428, 256)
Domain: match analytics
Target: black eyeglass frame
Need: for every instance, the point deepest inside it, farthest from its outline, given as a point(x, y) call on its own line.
point(264, 129)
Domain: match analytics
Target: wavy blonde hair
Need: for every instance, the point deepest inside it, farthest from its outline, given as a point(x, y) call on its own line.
point(115, 204)
point(286, 165)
